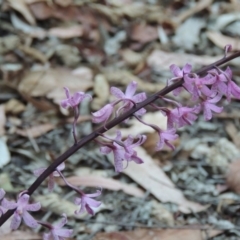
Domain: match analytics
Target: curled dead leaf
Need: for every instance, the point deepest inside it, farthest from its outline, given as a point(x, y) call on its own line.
point(22, 7)
point(221, 40)
point(42, 10)
point(36, 131)
point(162, 60)
point(199, 6)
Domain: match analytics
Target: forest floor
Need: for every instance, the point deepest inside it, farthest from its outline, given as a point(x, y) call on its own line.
point(191, 193)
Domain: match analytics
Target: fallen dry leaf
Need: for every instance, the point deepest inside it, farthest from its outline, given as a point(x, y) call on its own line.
point(162, 213)
point(14, 106)
point(43, 10)
point(224, 19)
point(81, 119)
point(193, 233)
point(221, 41)
point(50, 83)
point(2, 120)
point(66, 32)
point(63, 3)
point(35, 131)
point(19, 235)
point(132, 58)
point(124, 77)
point(151, 177)
point(8, 43)
point(138, 128)
point(199, 6)
point(102, 182)
point(33, 31)
point(101, 92)
point(133, 10)
point(162, 60)
point(233, 176)
point(34, 53)
point(144, 33)
point(22, 8)
point(233, 133)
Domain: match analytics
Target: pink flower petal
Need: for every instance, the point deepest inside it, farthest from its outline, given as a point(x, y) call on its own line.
point(131, 89)
point(117, 92)
point(103, 114)
point(139, 97)
point(9, 204)
point(16, 221)
point(96, 194)
point(92, 202)
point(118, 162)
point(105, 150)
point(29, 220)
point(61, 223)
point(187, 68)
point(33, 207)
point(176, 71)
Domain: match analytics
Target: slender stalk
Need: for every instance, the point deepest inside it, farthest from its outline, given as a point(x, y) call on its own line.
point(108, 126)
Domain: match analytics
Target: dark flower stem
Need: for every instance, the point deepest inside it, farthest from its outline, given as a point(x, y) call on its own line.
point(108, 126)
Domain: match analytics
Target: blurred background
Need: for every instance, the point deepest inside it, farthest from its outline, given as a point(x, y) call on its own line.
point(191, 193)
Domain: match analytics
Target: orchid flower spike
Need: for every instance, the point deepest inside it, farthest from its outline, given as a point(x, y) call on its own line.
point(86, 202)
point(51, 183)
point(123, 150)
point(21, 211)
point(57, 232)
point(74, 100)
point(128, 98)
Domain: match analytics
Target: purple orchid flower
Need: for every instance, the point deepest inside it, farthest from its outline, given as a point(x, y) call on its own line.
point(123, 150)
point(51, 183)
point(164, 137)
point(103, 114)
point(208, 106)
point(232, 88)
point(56, 231)
point(184, 116)
point(178, 74)
point(22, 207)
point(74, 100)
point(87, 203)
point(128, 98)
